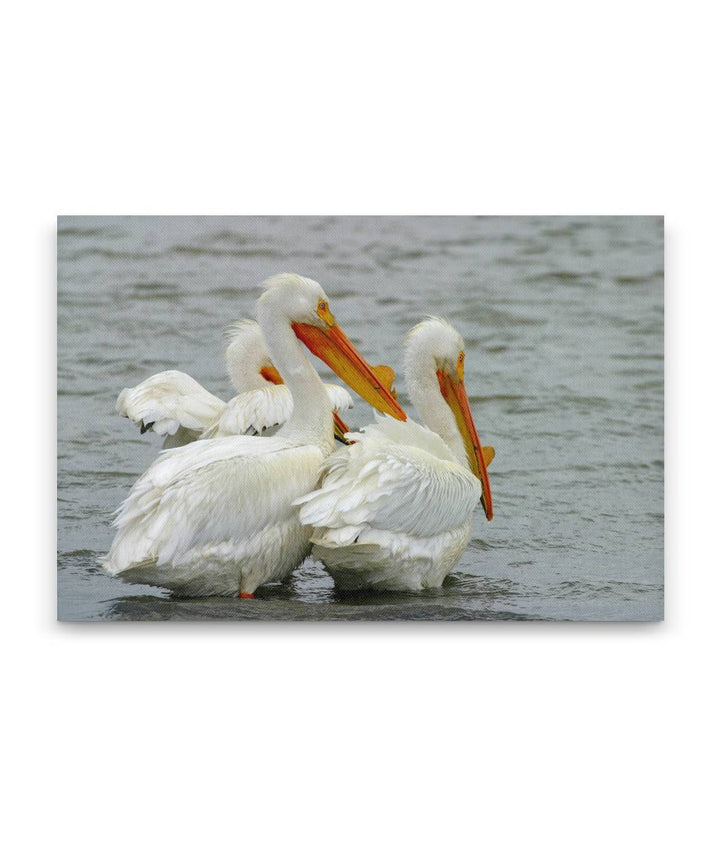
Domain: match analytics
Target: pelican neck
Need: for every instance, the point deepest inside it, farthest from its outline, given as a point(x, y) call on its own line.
point(311, 420)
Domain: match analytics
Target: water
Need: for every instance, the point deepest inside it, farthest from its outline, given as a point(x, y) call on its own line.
point(563, 323)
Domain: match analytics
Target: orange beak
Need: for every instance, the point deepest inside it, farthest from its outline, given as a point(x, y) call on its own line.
point(341, 428)
point(387, 376)
point(272, 374)
point(338, 352)
point(453, 391)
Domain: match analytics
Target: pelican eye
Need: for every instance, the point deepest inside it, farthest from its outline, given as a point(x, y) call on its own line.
point(323, 311)
point(461, 365)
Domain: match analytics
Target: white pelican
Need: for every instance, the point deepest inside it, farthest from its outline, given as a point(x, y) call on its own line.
point(178, 408)
point(395, 508)
point(217, 517)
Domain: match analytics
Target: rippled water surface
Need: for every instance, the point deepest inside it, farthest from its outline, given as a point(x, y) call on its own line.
point(563, 323)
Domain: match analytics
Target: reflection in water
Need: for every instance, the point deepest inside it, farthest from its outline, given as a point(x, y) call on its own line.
point(307, 598)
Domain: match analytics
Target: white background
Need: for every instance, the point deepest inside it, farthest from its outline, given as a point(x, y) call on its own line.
point(500, 738)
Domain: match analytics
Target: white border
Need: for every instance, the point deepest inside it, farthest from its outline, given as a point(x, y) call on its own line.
point(509, 738)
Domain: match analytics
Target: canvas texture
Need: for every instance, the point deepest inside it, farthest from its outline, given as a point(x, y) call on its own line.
point(560, 324)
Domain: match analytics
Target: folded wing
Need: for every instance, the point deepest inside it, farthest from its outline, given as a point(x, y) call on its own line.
point(396, 477)
point(210, 493)
point(169, 401)
point(259, 410)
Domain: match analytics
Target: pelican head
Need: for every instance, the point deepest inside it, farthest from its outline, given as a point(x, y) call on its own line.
point(292, 298)
point(301, 303)
point(435, 356)
point(246, 357)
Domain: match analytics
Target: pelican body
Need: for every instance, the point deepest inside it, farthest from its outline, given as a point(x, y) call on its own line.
point(217, 517)
point(394, 509)
point(179, 409)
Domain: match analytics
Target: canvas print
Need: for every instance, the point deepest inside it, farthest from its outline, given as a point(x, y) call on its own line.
point(360, 418)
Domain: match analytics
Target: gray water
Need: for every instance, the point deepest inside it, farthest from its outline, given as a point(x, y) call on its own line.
point(563, 325)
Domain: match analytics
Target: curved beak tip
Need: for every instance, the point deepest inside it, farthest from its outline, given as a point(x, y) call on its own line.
point(334, 348)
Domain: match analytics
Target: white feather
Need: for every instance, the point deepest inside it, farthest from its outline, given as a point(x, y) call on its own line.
point(177, 407)
point(340, 398)
point(217, 517)
point(258, 411)
point(394, 510)
point(168, 400)
point(245, 355)
point(390, 480)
